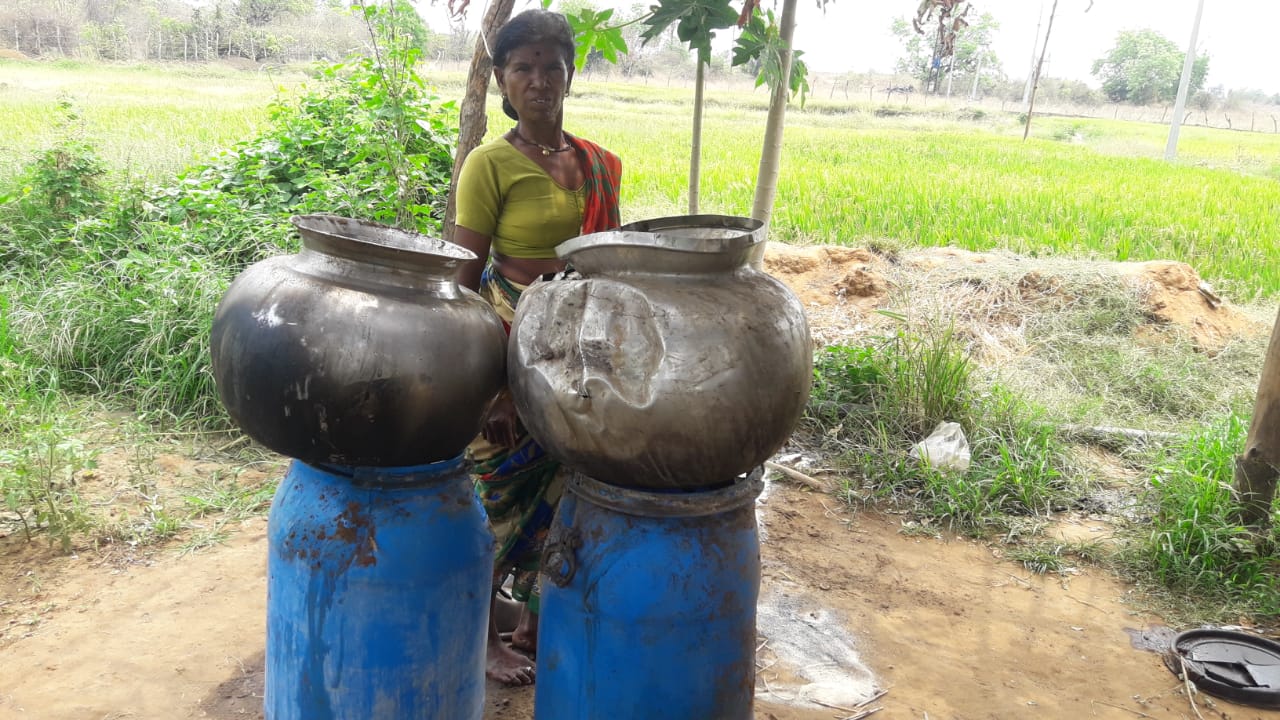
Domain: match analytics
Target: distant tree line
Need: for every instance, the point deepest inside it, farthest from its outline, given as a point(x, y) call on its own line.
point(175, 30)
point(1142, 68)
point(279, 31)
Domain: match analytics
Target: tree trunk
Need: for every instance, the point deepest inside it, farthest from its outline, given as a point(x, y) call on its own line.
point(977, 73)
point(1256, 473)
point(1035, 80)
point(695, 157)
point(472, 121)
point(771, 152)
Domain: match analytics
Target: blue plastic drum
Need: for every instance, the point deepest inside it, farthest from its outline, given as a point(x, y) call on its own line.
point(377, 594)
point(649, 604)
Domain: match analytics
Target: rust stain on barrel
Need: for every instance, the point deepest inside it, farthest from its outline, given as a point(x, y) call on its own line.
point(355, 526)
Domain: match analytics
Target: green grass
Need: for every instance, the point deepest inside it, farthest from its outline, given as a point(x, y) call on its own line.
point(1250, 153)
point(1056, 556)
point(1182, 540)
point(1193, 542)
point(871, 403)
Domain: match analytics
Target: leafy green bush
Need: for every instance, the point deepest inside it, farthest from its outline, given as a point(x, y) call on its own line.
point(38, 484)
point(60, 187)
point(114, 294)
point(370, 141)
point(329, 151)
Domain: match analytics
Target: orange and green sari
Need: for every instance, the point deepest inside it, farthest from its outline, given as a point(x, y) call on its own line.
point(521, 486)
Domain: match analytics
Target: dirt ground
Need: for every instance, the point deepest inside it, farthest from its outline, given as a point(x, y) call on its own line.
point(852, 602)
point(946, 627)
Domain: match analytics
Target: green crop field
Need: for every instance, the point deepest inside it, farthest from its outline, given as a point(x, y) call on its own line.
point(853, 178)
point(918, 176)
point(145, 122)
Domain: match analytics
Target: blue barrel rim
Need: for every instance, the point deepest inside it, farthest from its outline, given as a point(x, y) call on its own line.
point(643, 503)
point(391, 477)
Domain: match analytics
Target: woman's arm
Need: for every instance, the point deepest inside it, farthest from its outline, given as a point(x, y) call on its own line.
point(501, 426)
point(469, 274)
point(479, 201)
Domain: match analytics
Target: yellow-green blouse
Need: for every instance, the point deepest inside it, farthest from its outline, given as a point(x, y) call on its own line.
point(507, 196)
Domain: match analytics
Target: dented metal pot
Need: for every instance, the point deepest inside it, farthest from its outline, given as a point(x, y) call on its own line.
point(671, 364)
point(360, 350)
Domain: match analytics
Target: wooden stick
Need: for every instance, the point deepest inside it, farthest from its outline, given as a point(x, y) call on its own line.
point(873, 698)
point(1115, 438)
point(1191, 693)
point(865, 713)
point(1119, 707)
point(797, 476)
point(239, 439)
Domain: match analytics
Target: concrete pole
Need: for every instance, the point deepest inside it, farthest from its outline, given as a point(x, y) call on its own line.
point(1171, 149)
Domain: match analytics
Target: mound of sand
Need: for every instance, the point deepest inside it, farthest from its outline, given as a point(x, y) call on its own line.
point(843, 288)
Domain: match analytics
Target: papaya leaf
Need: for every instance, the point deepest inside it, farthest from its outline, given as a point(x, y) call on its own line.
point(696, 22)
point(761, 41)
point(591, 32)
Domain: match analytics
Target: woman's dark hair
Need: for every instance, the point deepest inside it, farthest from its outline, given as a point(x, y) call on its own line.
point(532, 26)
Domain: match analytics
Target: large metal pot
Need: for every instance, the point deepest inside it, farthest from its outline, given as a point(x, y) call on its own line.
point(360, 350)
point(671, 364)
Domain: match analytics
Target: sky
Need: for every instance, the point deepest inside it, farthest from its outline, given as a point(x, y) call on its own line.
point(1235, 33)
point(853, 35)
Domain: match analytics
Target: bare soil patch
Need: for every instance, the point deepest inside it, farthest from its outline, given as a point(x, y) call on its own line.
point(947, 626)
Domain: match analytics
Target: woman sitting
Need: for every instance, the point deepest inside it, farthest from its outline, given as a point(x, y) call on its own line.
point(517, 198)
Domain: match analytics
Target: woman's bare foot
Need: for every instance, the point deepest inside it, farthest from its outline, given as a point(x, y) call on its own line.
point(525, 637)
point(504, 664)
point(508, 666)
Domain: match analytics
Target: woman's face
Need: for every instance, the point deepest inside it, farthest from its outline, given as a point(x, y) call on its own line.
point(535, 80)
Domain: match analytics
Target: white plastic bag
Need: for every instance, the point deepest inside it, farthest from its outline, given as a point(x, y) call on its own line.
point(945, 449)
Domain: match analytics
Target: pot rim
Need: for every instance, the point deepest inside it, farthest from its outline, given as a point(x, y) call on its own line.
point(676, 244)
point(749, 229)
point(369, 241)
point(664, 233)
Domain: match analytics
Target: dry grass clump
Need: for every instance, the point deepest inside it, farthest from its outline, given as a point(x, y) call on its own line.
point(1079, 337)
